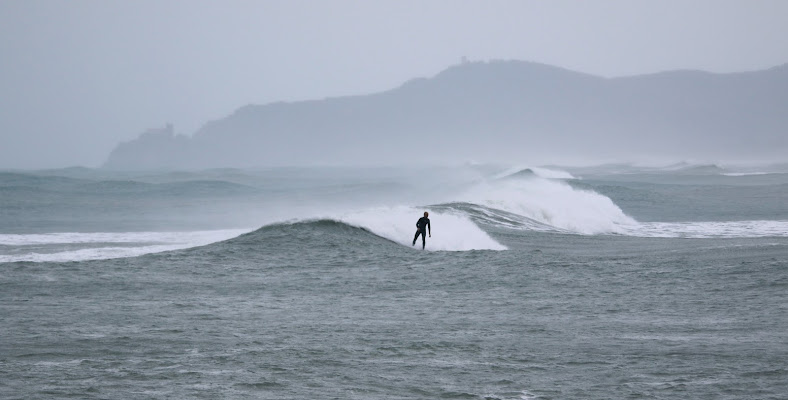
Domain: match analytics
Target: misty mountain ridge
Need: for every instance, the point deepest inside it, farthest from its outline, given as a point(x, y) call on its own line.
point(500, 111)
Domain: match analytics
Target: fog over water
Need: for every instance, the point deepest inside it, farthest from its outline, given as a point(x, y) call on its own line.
point(79, 77)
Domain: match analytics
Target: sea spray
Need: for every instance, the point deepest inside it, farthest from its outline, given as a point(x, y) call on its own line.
point(551, 202)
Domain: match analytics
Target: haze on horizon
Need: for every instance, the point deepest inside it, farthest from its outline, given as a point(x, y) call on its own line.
point(78, 77)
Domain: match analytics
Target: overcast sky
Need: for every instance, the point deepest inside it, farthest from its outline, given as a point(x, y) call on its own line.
point(77, 77)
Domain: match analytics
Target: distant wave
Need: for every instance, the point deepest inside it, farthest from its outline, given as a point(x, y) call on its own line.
point(19, 181)
point(526, 172)
point(698, 169)
point(745, 173)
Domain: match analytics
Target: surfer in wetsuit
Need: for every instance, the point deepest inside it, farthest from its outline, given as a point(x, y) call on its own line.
point(422, 226)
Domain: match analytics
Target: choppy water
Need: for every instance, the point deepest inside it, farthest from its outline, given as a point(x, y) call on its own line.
point(533, 288)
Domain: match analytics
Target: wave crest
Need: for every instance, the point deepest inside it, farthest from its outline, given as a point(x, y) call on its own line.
point(553, 203)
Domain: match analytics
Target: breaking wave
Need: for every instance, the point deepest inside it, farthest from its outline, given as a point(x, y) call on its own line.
point(552, 203)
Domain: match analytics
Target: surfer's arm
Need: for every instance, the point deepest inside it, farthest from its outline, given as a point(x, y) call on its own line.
point(429, 228)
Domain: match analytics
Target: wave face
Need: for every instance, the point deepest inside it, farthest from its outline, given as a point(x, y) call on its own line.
point(453, 230)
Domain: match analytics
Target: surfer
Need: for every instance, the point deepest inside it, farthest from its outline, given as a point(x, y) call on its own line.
point(422, 225)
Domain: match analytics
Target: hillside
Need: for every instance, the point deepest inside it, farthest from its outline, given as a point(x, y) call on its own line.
point(495, 111)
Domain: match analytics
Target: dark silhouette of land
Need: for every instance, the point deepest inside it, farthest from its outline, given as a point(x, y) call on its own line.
point(495, 111)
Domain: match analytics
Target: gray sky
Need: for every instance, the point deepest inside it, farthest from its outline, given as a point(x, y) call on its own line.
point(77, 77)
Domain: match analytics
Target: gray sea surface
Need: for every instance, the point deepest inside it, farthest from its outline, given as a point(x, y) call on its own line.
point(303, 284)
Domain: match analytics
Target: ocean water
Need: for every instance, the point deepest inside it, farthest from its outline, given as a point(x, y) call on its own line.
point(610, 282)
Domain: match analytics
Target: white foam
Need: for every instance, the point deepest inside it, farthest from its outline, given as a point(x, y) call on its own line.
point(111, 237)
point(453, 232)
point(729, 229)
point(106, 245)
point(552, 202)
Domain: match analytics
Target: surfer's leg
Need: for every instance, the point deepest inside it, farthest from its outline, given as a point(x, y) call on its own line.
point(423, 240)
point(416, 237)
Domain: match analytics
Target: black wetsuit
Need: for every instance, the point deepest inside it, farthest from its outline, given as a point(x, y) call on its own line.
point(421, 229)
